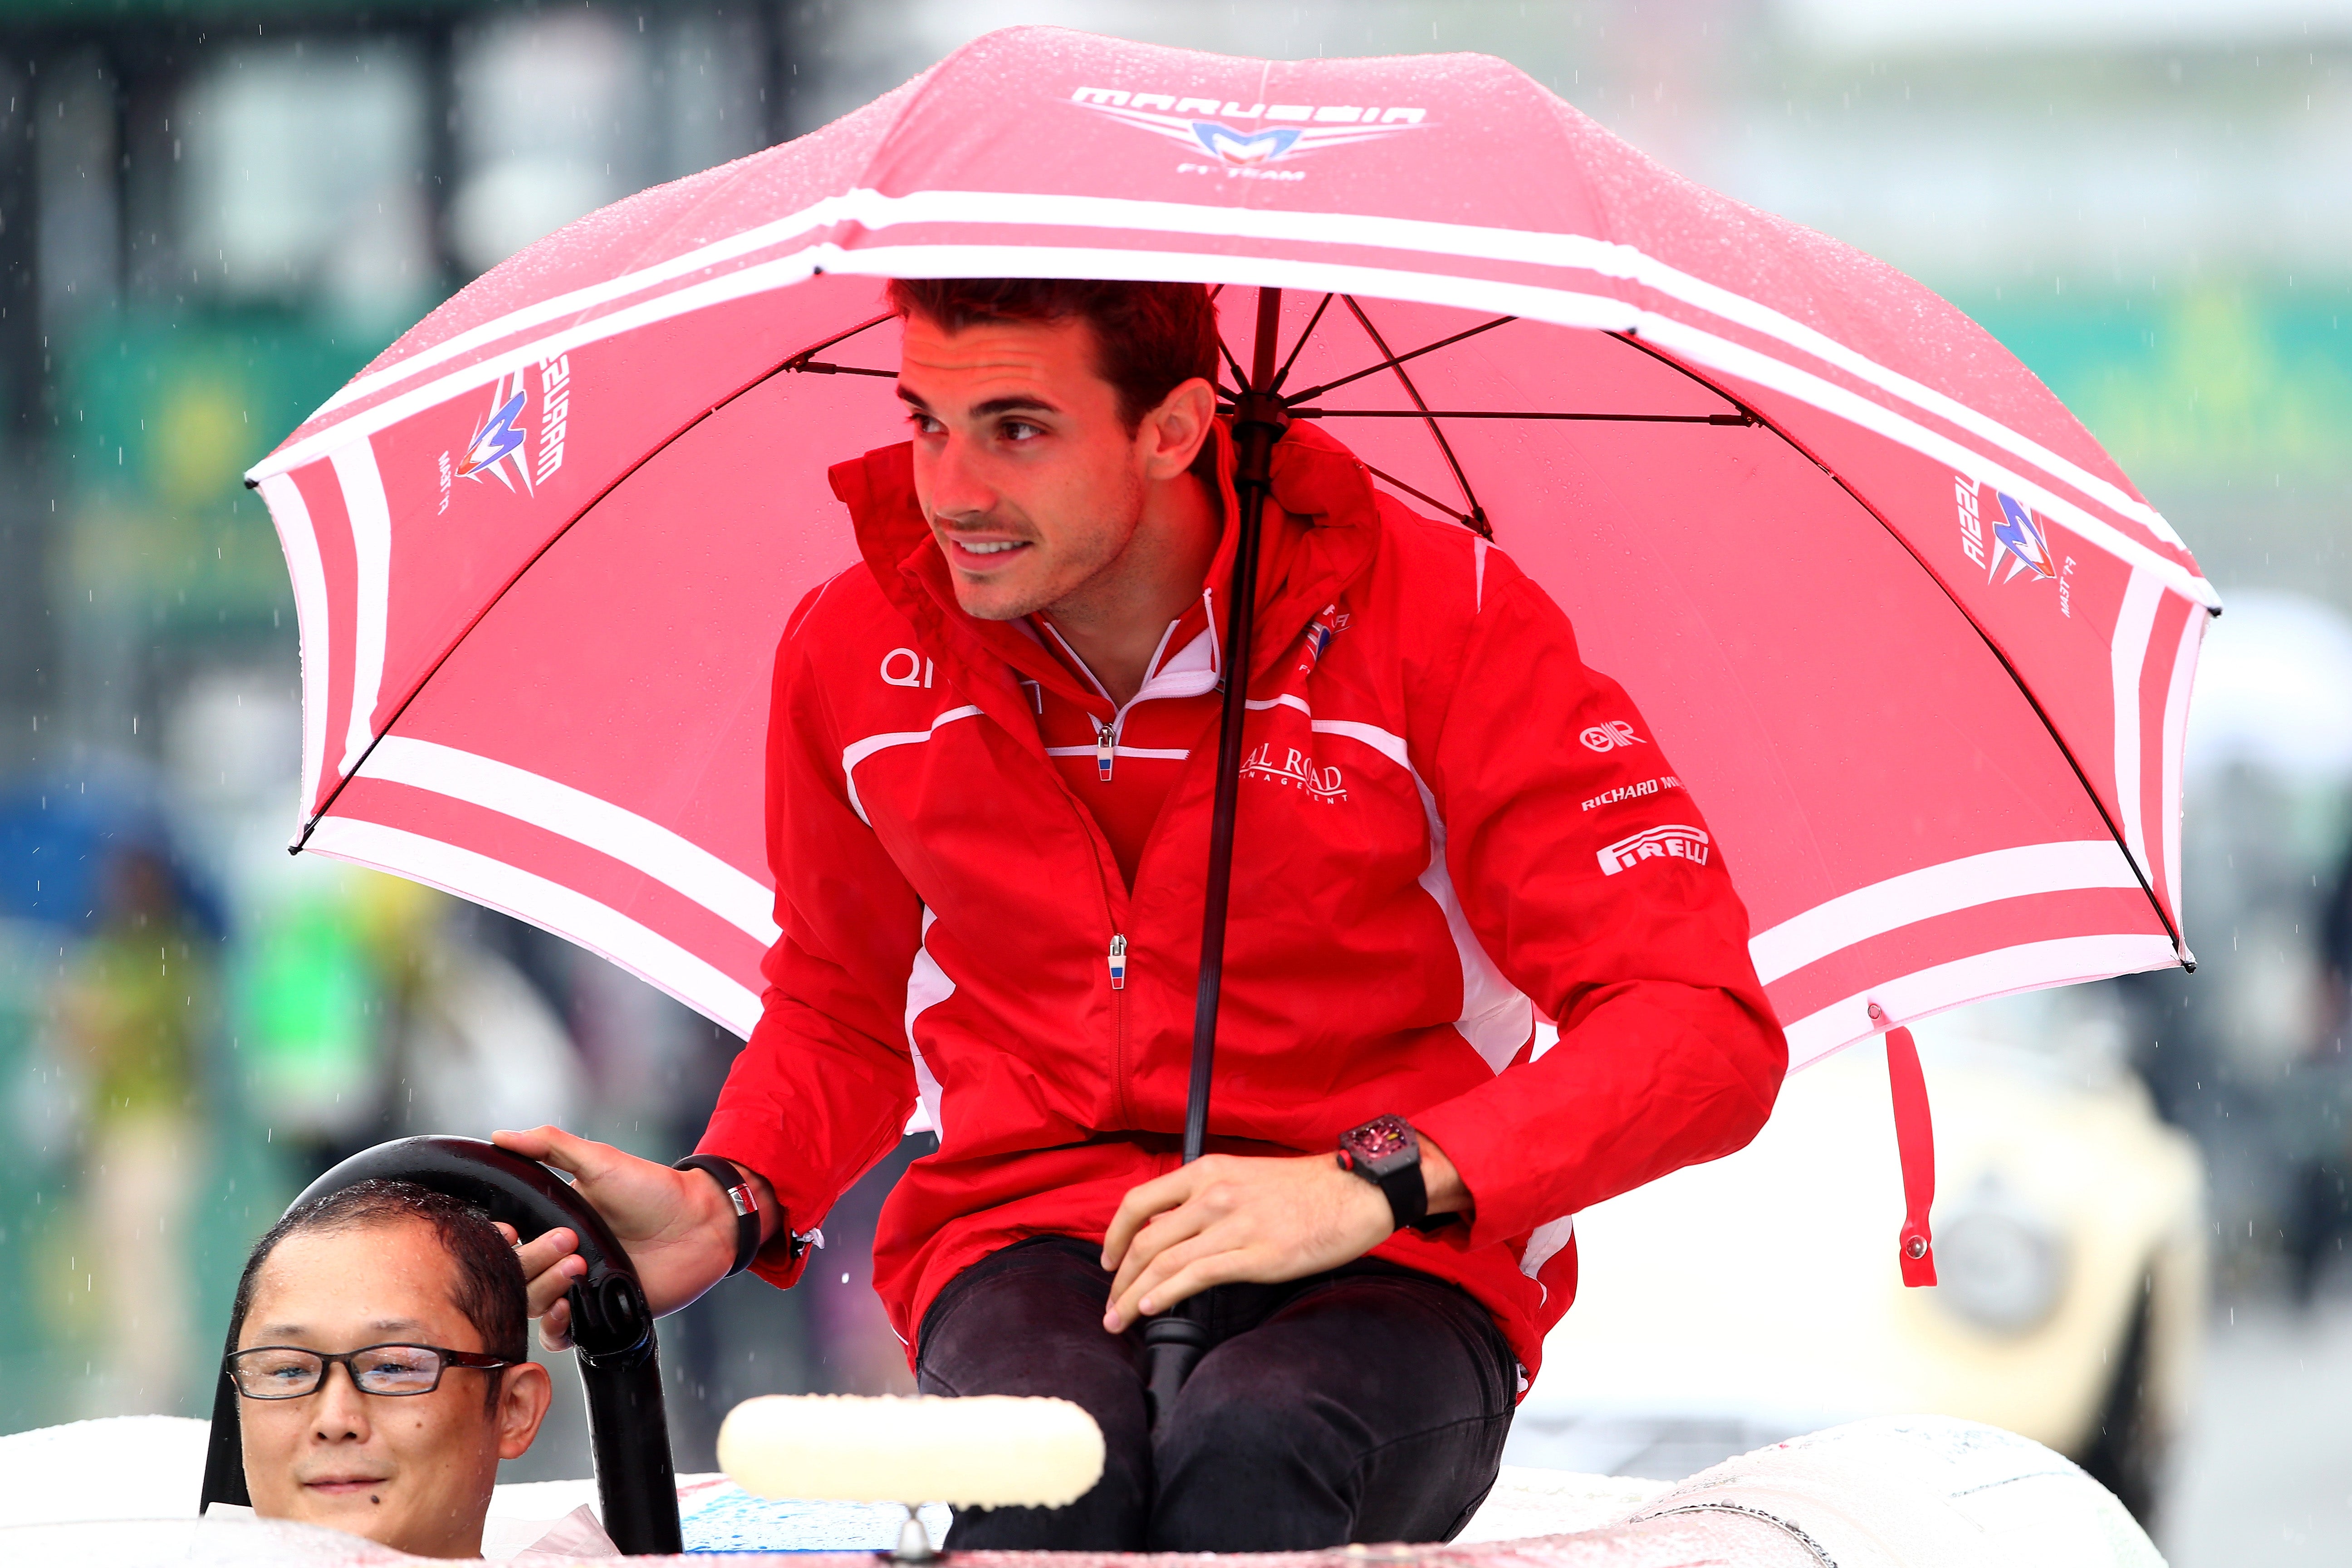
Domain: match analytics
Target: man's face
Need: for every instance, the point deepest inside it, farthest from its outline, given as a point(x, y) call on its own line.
point(411, 1471)
point(1032, 483)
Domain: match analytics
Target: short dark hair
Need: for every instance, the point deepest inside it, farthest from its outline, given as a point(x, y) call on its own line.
point(490, 1286)
point(1149, 338)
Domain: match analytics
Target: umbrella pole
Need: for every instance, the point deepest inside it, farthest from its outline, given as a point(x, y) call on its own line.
point(1173, 1341)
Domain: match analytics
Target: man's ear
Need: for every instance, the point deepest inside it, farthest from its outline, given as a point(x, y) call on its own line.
point(1172, 433)
point(524, 1394)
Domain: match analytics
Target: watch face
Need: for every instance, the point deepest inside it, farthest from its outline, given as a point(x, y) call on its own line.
point(1380, 1140)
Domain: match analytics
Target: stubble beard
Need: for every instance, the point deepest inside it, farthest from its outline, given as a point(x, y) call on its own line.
point(1090, 571)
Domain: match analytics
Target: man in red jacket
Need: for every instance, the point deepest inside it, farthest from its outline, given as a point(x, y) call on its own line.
point(989, 771)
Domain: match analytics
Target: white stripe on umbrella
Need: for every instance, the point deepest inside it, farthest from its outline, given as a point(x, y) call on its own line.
point(642, 844)
point(551, 905)
point(301, 542)
point(371, 518)
point(1967, 883)
point(2176, 741)
point(2134, 626)
point(2003, 972)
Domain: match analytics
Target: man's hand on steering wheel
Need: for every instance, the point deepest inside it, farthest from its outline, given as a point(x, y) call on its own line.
point(676, 1225)
point(1225, 1218)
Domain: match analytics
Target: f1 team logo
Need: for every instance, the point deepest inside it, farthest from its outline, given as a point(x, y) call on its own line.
point(1998, 529)
point(499, 442)
point(506, 445)
point(1251, 136)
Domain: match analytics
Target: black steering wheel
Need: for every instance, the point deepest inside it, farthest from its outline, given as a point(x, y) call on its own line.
point(620, 1367)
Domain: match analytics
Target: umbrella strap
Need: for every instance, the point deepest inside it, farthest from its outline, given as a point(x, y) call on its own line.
point(1914, 1146)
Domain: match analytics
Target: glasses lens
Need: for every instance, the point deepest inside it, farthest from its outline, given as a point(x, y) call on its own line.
point(396, 1369)
point(275, 1372)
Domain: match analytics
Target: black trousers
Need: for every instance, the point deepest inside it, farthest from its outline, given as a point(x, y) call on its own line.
point(1369, 1404)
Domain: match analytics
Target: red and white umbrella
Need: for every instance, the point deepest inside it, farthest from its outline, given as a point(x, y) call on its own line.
point(1912, 639)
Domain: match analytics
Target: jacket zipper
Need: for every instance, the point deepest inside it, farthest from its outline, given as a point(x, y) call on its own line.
point(1105, 747)
point(1118, 962)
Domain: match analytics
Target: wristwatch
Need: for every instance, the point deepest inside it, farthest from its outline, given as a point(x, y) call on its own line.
point(740, 1194)
point(1385, 1152)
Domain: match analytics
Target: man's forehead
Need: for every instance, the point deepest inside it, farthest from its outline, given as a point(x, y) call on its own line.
point(1040, 353)
point(396, 1269)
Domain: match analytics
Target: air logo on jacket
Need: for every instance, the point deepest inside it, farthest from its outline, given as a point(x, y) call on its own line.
point(1671, 843)
point(1297, 769)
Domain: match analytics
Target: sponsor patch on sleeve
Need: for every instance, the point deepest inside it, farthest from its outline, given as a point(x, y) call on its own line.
point(1676, 842)
point(1634, 791)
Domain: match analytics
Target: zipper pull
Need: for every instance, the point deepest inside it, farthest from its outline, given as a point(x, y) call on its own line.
point(1105, 743)
point(1118, 964)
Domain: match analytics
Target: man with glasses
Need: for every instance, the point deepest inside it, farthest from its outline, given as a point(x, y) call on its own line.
point(381, 1362)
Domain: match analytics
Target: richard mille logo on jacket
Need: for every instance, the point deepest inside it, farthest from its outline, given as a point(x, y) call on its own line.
point(1675, 843)
point(1289, 766)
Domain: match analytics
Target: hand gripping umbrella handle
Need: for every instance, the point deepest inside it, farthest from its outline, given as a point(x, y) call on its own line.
point(1173, 1341)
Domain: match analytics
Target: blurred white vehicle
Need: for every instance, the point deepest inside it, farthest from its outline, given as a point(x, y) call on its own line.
point(1757, 1298)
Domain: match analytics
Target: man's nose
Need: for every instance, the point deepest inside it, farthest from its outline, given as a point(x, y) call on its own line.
point(339, 1410)
point(958, 489)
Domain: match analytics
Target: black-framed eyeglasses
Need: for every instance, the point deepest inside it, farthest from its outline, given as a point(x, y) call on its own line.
point(289, 1371)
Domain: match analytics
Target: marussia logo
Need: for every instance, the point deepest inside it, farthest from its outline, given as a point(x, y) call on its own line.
point(1675, 843)
point(2020, 536)
point(501, 449)
point(1230, 132)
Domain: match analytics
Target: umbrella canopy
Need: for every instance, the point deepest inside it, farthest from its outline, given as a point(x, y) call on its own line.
point(1912, 639)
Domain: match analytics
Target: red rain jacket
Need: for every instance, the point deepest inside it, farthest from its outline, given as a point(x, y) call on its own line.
point(1450, 829)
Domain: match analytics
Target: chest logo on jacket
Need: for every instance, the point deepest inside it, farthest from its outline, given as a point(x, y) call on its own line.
point(1295, 768)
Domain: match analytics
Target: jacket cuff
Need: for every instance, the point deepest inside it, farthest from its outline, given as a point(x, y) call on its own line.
point(1488, 1169)
point(784, 1257)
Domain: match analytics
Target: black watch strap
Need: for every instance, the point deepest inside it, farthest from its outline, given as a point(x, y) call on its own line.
point(740, 1194)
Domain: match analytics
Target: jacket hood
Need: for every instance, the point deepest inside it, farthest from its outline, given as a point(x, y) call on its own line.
point(1320, 537)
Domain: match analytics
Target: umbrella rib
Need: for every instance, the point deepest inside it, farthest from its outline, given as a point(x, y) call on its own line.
point(1240, 377)
point(1395, 360)
point(1418, 495)
point(1476, 520)
point(819, 367)
point(1305, 332)
point(2115, 831)
point(798, 360)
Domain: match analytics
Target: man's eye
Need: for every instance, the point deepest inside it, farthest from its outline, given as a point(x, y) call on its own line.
point(1021, 430)
point(925, 424)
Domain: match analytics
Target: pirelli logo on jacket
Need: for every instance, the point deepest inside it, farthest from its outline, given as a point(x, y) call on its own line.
point(1672, 842)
